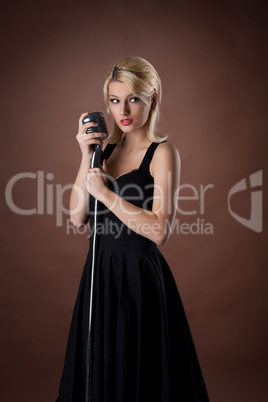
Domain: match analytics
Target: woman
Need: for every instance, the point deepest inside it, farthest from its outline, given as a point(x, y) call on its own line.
point(142, 349)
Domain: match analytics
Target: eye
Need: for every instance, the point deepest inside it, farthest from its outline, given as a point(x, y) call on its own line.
point(134, 99)
point(113, 100)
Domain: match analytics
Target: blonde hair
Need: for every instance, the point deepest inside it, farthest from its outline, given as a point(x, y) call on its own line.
point(144, 82)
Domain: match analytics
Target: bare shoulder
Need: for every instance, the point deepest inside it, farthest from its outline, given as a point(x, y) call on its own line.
point(166, 149)
point(166, 155)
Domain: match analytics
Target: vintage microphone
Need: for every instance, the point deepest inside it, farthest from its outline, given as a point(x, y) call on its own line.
point(96, 117)
point(96, 161)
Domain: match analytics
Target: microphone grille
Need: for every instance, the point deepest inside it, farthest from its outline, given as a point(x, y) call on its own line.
point(97, 117)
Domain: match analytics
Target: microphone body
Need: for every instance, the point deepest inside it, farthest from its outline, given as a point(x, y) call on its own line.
point(97, 117)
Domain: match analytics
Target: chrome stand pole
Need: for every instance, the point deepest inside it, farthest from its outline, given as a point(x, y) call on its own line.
point(96, 162)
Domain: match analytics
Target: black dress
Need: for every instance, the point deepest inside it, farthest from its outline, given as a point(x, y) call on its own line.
point(142, 346)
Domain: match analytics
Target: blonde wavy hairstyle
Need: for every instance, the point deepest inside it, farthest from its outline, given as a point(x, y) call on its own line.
point(142, 79)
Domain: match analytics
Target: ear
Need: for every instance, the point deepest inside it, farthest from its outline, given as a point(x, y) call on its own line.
point(154, 100)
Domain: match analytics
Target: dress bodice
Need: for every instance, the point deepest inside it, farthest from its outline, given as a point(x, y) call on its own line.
point(137, 187)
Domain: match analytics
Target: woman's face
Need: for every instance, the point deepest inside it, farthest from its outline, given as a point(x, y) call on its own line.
point(129, 112)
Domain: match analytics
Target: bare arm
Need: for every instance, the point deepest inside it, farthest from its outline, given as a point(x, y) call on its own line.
point(155, 224)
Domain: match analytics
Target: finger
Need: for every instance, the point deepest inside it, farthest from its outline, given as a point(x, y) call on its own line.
point(88, 137)
point(81, 118)
point(85, 126)
point(94, 141)
point(104, 166)
point(89, 141)
point(94, 172)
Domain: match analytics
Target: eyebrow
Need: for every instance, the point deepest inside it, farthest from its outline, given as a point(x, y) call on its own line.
point(115, 96)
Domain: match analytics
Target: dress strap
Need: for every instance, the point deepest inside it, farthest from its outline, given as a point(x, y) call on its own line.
point(108, 151)
point(144, 168)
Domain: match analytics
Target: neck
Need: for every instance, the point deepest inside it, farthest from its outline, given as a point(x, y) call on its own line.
point(135, 139)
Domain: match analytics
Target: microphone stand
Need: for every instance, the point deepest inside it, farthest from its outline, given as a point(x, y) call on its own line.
point(96, 161)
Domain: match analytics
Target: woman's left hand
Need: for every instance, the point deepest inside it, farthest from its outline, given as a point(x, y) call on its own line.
point(97, 181)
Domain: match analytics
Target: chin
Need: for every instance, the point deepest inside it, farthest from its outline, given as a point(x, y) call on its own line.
point(127, 129)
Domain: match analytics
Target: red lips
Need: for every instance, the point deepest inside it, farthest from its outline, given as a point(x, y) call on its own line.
point(126, 122)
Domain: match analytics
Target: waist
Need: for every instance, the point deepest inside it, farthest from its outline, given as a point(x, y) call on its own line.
point(110, 231)
point(124, 238)
point(136, 243)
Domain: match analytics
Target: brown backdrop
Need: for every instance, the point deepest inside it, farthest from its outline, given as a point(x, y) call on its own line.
point(211, 58)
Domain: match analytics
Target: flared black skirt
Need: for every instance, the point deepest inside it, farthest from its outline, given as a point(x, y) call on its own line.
point(142, 348)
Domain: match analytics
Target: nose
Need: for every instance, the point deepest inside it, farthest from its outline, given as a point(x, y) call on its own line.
point(124, 110)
